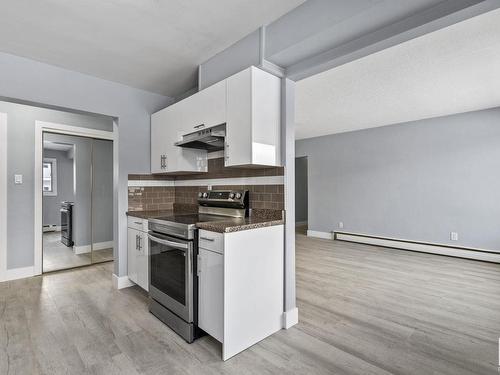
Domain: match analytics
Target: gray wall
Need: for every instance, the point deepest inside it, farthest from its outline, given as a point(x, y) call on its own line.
point(301, 189)
point(416, 181)
point(28, 80)
point(52, 204)
point(20, 160)
point(102, 193)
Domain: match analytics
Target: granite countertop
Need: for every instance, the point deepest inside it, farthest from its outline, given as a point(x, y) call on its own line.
point(239, 224)
point(149, 214)
point(258, 218)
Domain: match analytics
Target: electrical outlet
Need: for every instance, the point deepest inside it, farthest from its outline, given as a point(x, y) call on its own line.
point(18, 179)
point(341, 224)
point(454, 236)
point(209, 187)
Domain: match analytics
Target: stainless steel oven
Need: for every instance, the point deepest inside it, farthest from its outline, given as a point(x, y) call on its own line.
point(171, 275)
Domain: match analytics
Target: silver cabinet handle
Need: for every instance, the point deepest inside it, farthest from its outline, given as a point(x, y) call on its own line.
point(138, 222)
point(207, 239)
point(140, 242)
point(176, 245)
point(199, 126)
point(137, 242)
point(198, 271)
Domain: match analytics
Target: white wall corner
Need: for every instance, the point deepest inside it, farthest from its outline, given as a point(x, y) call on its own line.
point(290, 318)
point(316, 234)
point(17, 273)
point(120, 282)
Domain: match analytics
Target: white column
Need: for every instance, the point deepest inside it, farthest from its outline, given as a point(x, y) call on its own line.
point(288, 159)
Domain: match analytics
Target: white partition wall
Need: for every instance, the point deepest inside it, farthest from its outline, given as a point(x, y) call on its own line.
point(3, 195)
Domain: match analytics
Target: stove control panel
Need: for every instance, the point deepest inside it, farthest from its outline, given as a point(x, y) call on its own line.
point(224, 198)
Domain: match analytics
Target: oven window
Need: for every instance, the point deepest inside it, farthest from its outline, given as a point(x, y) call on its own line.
point(168, 271)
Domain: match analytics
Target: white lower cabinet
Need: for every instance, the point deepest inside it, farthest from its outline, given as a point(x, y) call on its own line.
point(138, 252)
point(211, 293)
point(240, 286)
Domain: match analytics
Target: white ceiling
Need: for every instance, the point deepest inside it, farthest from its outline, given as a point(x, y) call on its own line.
point(453, 70)
point(155, 45)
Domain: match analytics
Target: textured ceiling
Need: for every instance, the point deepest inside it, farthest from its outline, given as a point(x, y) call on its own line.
point(155, 45)
point(453, 70)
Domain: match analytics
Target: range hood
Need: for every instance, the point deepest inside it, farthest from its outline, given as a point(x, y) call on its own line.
point(210, 139)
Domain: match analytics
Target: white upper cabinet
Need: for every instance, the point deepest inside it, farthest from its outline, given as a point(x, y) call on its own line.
point(204, 109)
point(248, 102)
point(253, 119)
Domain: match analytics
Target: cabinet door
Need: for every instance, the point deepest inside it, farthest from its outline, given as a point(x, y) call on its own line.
point(162, 138)
point(142, 262)
point(210, 293)
point(238, 150)
point(132, 250)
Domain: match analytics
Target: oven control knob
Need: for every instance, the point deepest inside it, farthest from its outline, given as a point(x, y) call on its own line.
point(200, 194)
point(231, 195)
point(238, 195)
point(205, 195)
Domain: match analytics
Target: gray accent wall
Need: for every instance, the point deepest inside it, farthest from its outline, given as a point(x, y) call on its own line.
point(52, 204)
point(31, 81)
point(301, 189)
point(21, 160)
point(417, 181)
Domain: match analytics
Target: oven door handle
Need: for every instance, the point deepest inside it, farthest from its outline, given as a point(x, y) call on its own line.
point(176, 245)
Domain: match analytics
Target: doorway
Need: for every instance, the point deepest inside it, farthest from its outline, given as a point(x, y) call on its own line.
point(301, 195)
point(77, 201)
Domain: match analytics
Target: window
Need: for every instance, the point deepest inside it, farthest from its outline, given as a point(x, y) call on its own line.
point(49, 177)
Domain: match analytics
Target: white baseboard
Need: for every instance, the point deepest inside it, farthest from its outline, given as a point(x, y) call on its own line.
point(484, 255)
point(18, 273)
point(316, 234)
point(299, 223)
point(97, 246)
point(120, 282)
point(290, 318)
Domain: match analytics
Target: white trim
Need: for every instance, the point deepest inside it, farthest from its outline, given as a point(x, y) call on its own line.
point(299, 223)
point(18, 273)
point(122, 282)
point(316, 234)
point(145, 183)
point(422, 247)
point(264, 180)
point(3, 195)
point(40, 127)
point(74, 130)
point(290, 318)
point(96, 247)
point(52, 193)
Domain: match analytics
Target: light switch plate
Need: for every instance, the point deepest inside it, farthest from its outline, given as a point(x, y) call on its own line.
point(454, 236)
point(341, 224)
point(18, 179)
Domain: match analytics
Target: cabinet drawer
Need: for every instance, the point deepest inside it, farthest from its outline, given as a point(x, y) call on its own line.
point(138, 223)
point(211, 241)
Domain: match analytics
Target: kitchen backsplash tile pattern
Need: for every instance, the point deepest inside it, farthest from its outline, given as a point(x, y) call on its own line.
point(151, 198)
point(160, 198)
point(261, 196)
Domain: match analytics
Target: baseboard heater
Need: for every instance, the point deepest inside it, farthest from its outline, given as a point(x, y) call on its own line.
point(423, 247)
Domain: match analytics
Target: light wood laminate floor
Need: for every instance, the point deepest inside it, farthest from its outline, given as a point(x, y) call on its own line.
point(363, 310)
point(57, 256)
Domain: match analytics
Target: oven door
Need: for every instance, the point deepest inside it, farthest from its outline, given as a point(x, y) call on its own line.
point(171, 273)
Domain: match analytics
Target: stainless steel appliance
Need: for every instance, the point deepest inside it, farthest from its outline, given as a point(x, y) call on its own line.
point(210, 139)
point(173, 246)
point(66, 211)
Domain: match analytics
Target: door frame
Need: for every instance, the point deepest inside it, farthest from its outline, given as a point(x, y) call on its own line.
point(3, 195)
point(52, 127)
